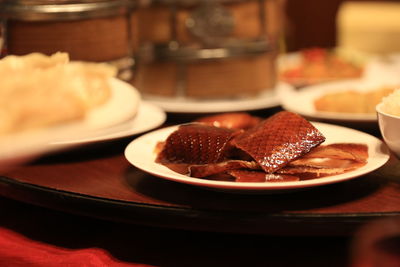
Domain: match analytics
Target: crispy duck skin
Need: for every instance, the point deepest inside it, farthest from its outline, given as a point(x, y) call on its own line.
point(278, 140)
point(205, 170)
point(196, 143)
point(342, 151)
point(282, 148)
point(330, 159)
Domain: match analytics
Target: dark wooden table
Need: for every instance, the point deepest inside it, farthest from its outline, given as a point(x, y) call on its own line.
point(92, 196)
point(157, 246)
point(98, 181)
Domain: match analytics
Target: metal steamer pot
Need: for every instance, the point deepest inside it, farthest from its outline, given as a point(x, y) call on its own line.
point(89, 30)
point(184, 37)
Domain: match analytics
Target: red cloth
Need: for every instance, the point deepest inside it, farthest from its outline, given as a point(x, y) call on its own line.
point(17, 250)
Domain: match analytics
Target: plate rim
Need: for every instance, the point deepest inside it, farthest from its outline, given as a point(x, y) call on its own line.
point(125, 90)
point(257, 187)
point(144, 107)
point(318, 89)
point(177, 105)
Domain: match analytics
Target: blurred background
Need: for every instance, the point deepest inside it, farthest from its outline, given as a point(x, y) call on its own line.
point(189, 44)
point(314, 23)
point(181, 55)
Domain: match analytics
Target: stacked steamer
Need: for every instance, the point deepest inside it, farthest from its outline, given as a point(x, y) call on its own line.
point(196, 49)
point(90, 30)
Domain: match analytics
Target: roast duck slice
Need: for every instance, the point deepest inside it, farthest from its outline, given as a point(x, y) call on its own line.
point(270, 144)
point(283, 147)
point(278, 140)
point(196, 143)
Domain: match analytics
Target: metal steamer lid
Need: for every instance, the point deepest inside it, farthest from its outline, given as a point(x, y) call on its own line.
point(211, 25)
point(187, 2)
point(38, 10)
point(173, 52)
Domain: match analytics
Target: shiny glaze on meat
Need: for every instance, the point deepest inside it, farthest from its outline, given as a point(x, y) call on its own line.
point(327, 160)
point(276, 141)
point(283, 148)
point(196, 143)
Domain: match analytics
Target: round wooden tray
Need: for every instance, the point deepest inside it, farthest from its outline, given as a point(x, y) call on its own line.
point(98, 181)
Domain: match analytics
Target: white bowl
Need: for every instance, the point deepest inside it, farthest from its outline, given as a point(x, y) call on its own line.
point(389, 126)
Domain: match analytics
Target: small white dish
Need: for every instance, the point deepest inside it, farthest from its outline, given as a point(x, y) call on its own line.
point(268, 99)
point(22, 147)
point(389, 125)
point(141, 154)
point(296, 60)
point(301, 101)
point(147, 118)
point(122, 106)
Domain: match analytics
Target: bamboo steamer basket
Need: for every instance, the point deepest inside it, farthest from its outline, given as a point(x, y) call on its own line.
point(91, 30)
point(207, 49)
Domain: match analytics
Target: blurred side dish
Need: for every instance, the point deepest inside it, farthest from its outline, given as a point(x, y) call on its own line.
point(37, 90)
point(316, 65)
point(352, 101)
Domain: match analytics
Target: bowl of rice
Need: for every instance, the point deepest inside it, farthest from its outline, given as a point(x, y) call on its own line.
point(388, 111)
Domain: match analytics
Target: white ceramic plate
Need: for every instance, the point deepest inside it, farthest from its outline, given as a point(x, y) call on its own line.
point(268, 99)
point(122, 106)
point(301, 101)
point(147, 118)
point(140, 153)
